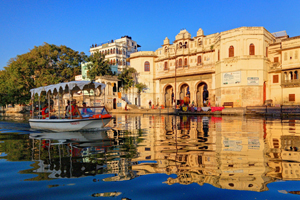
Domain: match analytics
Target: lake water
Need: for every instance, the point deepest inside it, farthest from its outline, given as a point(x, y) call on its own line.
point(153, 157)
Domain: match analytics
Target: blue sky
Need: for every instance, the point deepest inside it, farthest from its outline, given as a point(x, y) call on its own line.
point(79, 24)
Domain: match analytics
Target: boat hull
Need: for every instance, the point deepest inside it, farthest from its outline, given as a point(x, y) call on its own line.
point(59, 125)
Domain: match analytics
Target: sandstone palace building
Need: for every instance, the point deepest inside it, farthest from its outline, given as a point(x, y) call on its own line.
point(246, 66)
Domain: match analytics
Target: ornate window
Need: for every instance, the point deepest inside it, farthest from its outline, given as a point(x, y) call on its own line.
point(219, 54)
point(114, 50)
point(180, 45)
point(185, 45)
point(199, 42)
point(199, 60)
point(231, 51)
point(111, 51)
point(166, 66)
point(295, 75)
point(180, 62)
point(185, 62)
point(117, 51)
point(147, 66)
point(251, 49)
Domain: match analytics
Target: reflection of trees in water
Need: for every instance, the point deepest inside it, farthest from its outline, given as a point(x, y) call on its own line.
point(54, 159)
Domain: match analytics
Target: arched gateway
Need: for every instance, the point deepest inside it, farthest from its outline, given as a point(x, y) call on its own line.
point(202, 94)
point(169, 95)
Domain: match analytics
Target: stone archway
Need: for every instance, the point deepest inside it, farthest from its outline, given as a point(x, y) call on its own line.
point(201, 93)
point(184, 91)
point(169, 95)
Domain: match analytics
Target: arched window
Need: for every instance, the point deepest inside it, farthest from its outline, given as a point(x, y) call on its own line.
point(114, 62)
point(285, 76)
point(231, 51)
point(117, 61)
point(199, 60)
point(219, 54)
point(295, 75)
point(291, 76)
point(105, 52)
point(185, 62)
point(180, 45)
point(114, 50)
point(185, 45)
point(117, 51)
point(251, 49)
point(166, 66)
point(180, 62)
point(199, 42)
point(111, 51)
point(147, 66)
point(111, 62)
point(120, 51)
point(166, 49)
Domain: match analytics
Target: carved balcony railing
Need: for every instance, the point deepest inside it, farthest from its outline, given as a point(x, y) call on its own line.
point(275, 66)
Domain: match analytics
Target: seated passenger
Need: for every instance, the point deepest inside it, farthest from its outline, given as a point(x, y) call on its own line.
point(73, 109)
point(85, 110)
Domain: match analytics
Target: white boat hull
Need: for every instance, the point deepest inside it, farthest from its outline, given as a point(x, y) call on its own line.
point(59, 125)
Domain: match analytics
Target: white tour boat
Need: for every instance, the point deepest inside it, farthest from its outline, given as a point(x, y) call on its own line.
point(86, 118)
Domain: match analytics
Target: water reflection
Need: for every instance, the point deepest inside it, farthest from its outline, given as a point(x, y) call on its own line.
point(226, 152)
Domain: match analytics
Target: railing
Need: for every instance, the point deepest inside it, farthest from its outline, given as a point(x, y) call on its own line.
point(290, 83)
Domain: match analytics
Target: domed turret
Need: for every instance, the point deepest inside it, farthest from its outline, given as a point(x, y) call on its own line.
point(200, 32)
point(166, 41)
point(183, 34)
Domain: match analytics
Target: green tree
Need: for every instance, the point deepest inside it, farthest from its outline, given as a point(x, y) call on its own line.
point(98, 65)
point(43, 65)
point(141, 87)
point(127, 77)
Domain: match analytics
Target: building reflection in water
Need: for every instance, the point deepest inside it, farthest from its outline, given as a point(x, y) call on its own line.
point(227, 152)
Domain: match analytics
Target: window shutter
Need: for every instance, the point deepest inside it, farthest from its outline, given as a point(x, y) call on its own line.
point(291, 97)
point(231, 51)
point(276, 59)
point(275, 78)
point(252, 49)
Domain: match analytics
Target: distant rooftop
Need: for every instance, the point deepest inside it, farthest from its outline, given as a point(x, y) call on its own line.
point(280, 34)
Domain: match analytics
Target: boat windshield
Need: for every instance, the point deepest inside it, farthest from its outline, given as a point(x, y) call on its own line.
point(92, 111)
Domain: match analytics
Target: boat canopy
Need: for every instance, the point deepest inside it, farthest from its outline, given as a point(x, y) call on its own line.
point(73, 86)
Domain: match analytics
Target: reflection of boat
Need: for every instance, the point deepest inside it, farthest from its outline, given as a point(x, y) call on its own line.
point(97, 117)
point(71, 136)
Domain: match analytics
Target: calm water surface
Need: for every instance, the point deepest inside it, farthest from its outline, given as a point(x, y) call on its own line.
point(153, 157)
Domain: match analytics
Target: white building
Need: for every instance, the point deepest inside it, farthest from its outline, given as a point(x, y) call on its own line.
point(116, 51)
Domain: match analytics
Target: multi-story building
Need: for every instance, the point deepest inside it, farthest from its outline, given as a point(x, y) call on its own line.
point(116, 51)
point(245, 66)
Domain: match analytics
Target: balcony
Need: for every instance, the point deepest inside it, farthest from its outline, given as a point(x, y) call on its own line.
point(291, 83)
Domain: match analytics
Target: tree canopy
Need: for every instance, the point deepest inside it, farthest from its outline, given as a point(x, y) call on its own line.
point(127, 77)
point(43, 65)
point(98, 65)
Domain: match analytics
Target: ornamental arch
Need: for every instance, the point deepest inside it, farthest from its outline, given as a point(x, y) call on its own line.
point(202, 93)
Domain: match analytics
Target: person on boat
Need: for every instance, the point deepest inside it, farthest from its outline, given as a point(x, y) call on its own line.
point(85, 110)
point(45, 111)
point(73, 109)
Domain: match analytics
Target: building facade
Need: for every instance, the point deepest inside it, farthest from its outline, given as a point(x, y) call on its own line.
point(117, 51)
point(245, 66)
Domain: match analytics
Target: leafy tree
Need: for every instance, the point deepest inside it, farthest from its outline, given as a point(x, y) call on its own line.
point(127, 77)
point(98, 66)
point(43, 65)
point(141, 87)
